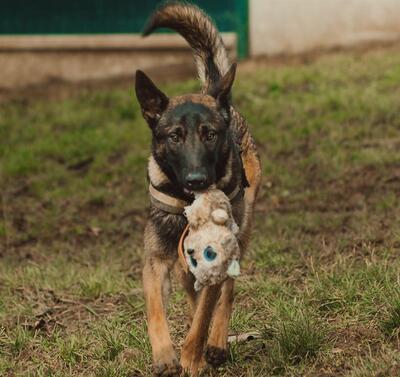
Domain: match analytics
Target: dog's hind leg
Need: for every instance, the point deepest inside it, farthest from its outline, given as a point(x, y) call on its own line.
point(192, 357)
point(216, 349)
point(156, 283)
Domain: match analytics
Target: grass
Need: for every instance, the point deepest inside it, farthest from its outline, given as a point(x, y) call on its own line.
point(391, 324)
point(320, 281)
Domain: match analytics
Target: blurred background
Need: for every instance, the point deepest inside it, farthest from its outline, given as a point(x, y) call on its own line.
point(43, 41)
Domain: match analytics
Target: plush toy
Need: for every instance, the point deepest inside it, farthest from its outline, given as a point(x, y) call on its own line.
point(211, 249)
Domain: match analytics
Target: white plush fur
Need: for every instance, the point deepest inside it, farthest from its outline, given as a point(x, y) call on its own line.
point(211, 224)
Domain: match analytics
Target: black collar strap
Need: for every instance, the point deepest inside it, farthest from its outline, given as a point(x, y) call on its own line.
point(176, 206)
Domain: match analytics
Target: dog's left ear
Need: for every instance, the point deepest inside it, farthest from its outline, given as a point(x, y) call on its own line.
point(152, 100)
point(221, 90)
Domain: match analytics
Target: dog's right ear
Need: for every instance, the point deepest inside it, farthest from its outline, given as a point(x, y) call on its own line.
point(152, 100)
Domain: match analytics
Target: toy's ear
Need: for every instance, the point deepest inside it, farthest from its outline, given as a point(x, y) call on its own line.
point(219, 216)
point(234, 269)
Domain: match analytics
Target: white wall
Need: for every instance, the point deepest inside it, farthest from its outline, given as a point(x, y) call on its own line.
point(295, 26)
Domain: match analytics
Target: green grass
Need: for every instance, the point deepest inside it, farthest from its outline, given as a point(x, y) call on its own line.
point(320, 281)
point(391, 323)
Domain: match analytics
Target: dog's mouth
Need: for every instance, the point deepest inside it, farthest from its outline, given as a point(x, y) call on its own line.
point(193, 193)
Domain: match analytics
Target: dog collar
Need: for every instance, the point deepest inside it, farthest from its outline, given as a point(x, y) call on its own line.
point(170, 204)
point(165, 202)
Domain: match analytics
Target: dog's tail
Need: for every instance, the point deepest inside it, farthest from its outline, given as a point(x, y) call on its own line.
point(200, 32)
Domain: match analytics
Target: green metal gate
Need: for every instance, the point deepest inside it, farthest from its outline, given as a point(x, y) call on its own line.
point(110, 16)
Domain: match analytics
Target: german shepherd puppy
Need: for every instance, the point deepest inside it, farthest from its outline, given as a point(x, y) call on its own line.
point(198, 140)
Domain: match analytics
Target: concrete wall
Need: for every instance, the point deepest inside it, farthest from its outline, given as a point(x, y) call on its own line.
point(276, 27)
point(297, 26)
point(33, 60)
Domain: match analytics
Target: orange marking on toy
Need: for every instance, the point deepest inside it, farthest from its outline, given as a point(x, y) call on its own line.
point(181, 253)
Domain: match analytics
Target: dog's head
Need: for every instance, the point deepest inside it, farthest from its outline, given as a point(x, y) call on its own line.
point(190, 132)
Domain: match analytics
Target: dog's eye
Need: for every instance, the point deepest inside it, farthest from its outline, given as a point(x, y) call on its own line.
point(211, 135)
point(174, 137)
point(209, 253)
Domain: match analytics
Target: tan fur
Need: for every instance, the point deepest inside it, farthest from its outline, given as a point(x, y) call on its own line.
point(187, 282)
point(159, 263)
point(203, 99)
point(213, 303)
point(228, 174)
point(219, 330)
point(158, 177)
point(155, 276)
point(192, 358)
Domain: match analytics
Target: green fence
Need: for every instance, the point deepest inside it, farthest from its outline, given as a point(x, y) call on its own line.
point(110, 16)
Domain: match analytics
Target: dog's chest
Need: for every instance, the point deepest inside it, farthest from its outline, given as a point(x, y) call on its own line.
point(169, 227)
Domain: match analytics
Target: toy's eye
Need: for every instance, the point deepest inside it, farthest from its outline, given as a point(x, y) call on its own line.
point(193, 261)
point(209, 253)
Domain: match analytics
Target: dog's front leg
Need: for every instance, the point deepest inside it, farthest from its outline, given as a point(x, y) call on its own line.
point(217, 344)
point(156, 283)
point(192, 352)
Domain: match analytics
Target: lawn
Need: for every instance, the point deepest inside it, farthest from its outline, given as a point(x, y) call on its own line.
point(320, 283)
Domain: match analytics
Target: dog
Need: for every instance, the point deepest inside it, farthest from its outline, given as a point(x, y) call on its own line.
point(198, 140)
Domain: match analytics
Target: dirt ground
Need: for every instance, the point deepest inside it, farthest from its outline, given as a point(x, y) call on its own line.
point(320, 282)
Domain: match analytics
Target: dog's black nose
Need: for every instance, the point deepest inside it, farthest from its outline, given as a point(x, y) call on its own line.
point(196, 181)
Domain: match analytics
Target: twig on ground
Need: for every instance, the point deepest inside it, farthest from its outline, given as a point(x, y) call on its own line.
point(245, 337)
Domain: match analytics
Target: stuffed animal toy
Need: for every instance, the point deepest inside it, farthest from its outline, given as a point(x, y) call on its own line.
point(211, 249)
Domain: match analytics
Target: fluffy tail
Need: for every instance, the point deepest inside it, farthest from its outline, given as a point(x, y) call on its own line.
point(202, 35)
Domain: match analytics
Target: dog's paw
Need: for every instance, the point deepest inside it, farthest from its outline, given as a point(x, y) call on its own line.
point(172, 369)
point(216, 356)
point(193, 367)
